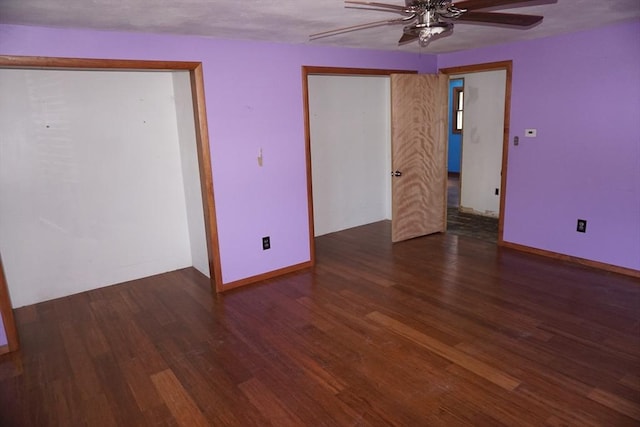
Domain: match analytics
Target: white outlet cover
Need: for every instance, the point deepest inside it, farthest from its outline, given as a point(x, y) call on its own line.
point(531, 133)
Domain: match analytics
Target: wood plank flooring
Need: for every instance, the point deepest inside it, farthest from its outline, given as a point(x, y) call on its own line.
point(438, 331)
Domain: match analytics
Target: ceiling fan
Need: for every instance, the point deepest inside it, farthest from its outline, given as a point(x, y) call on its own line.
point(426, 19)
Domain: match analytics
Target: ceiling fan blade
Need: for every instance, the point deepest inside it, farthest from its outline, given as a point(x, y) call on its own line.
point(501, 18)
point(406, 38)
point(485, 4)
point(357, 27)
point(376, 9)
point(394, 7)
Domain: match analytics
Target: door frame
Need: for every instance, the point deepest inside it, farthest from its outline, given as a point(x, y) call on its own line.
point(495, 66)
point(6, 314)
point(308, 70)
point(201, 131)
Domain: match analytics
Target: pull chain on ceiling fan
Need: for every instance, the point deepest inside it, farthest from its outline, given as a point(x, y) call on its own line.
point(426, 19)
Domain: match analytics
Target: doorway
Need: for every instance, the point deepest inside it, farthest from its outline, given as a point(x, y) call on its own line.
point(307, 73)
point(307, 70)
point(481, 201)
point(195, 86)
point(350, 150)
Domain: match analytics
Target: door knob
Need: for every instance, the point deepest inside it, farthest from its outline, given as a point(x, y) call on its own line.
point(396, 173)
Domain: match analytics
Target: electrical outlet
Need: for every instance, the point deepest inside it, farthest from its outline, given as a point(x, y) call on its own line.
point(582, 226)
point(266, 243)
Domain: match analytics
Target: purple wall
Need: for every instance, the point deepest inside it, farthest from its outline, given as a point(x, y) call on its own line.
point(3, 334)
point(581, 91)
point(254, 99)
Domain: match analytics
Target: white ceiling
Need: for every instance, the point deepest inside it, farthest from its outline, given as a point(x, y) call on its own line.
point(291, 21)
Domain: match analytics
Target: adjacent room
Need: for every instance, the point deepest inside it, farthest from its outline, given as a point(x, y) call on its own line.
point(200, 211)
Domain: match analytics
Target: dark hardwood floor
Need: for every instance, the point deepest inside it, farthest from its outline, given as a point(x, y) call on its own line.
point(439, 331)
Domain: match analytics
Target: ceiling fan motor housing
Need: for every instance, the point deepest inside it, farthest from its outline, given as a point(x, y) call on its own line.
point(429, 15)
point(428, 20)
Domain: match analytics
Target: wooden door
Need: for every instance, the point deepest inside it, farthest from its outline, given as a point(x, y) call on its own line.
point(419, 154)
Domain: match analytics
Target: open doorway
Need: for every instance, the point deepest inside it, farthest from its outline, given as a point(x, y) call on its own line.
point(308, 71)
point(56, 148)
point(480, 99)
point(350, 150)
point(334, 220)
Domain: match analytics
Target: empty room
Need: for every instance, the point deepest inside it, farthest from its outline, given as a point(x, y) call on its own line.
point(223, 214)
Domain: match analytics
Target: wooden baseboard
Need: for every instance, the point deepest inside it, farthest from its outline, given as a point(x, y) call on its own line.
point(265, 276)
point(582, 261)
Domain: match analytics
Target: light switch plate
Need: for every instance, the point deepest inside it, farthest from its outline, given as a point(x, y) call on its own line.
point(531, 133)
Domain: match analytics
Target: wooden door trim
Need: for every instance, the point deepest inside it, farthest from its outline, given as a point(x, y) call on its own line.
point(6, 312)
point(495, 66)
point(200, 122)
point(206, 176)
point(308, 70)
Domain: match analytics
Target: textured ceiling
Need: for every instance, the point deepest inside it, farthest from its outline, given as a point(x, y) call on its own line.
point(291, 21)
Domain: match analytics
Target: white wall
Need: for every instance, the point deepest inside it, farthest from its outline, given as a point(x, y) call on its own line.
point(91, 187)
point(190, 170)
point(350, 151)
point(482, 139)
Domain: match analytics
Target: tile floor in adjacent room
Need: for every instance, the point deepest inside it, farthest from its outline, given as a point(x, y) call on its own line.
point(466, 224)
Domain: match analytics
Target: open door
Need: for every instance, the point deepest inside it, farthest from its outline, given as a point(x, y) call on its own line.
point(419, 154)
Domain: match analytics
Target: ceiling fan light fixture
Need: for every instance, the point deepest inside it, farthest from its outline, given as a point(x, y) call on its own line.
point(427, 33)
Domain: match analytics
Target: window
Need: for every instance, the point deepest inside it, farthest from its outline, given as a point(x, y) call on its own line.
point(458, 109)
